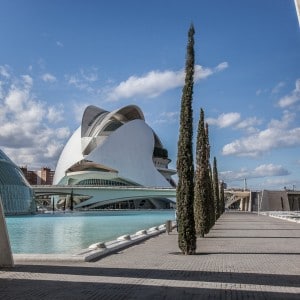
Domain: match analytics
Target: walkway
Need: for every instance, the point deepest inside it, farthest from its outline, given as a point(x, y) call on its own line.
point(244, 257)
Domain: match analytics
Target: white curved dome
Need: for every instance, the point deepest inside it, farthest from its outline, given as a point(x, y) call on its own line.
point(15, 192)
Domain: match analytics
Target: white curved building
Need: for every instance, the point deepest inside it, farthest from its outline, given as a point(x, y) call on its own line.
point(115, 149)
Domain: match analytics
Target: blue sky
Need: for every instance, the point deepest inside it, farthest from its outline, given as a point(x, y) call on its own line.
point(58, 56)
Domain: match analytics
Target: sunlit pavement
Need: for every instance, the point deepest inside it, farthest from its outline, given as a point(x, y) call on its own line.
point(245, 256)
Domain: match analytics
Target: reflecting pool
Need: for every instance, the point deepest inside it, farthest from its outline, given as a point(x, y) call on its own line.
point(71, 232)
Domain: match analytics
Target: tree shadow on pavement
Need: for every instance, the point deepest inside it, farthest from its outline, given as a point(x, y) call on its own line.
point(185, 275)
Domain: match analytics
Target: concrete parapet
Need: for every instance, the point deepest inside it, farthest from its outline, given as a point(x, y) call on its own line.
point(100, 249)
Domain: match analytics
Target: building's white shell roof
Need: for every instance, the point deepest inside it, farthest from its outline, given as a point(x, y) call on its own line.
point(119, 140)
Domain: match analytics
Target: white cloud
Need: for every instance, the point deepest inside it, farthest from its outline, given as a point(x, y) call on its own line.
point(167, 118)
point(14, 100)
point(234, 119)
point(276, 135)
point(55, 114)
point(27, 80)
point(18, 94)
point(84, 80)
point(258, 92)
point(155, 83)
point(150, 85)
point(291, 98)
point(78, 109)
point(27, 132)
point(270, 170)
point(5, 71)
point(59, 44)
point(278, 87)
point(261, 92)
point(52, 149)
point(281, 182)
point(225, 120)
point(62, 132)
point(47, 77)
point(249, 125)
point(265, 170)
point(222, 66)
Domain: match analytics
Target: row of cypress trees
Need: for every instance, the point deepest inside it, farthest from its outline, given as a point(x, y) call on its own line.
point(199, 201)
point(208, 204)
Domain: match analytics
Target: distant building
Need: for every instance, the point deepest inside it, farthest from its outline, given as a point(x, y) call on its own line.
point(44, 176)
point(15, 192)
point(29, 175)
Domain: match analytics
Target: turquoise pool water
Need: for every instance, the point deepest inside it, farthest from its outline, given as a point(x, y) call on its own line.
point(71, 232)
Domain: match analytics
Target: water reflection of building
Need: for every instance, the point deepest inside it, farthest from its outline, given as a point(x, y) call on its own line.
point(115, 149)
point(15, 191)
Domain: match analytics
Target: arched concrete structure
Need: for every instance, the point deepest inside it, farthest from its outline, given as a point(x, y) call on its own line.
point(243, 197)
point(98, 196)
point(265, 200)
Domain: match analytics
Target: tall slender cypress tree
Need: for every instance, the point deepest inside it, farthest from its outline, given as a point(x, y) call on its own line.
point(216, 189)
point(210, 197)
point(185, 164)
point(222, 199)
point(211, 202)
point(202, 184)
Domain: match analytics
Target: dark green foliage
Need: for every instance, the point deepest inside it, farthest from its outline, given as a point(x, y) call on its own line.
point(210, 197)
point(207, 143)
point(222, 199)
point(185, 166)
point(211, 202)
point(202, 182)
point(216, 189)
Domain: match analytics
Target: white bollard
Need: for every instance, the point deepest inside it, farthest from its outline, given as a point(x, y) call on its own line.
point(168, 226)
point(6, 258)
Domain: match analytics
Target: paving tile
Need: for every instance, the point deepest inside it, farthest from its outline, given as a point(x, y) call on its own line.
point(245, 256)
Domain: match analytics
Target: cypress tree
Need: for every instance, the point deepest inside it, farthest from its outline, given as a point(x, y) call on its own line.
point(185, 164)
point(202, 184)
point(222, 199)
point(216, 189)
point(211, 202)
point(207, 143)
point(210, 197)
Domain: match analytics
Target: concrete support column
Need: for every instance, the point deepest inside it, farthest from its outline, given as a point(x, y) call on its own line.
point(242, 204)
point(246, 204)
point(250, 202)
point(6, 258)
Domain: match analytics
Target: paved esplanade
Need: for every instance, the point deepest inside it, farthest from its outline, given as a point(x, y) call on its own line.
point(244, 257)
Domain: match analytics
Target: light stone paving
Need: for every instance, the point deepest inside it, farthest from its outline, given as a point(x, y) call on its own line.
point(245, 256)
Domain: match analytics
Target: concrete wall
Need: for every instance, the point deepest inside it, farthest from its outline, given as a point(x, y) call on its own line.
point(275, 200)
